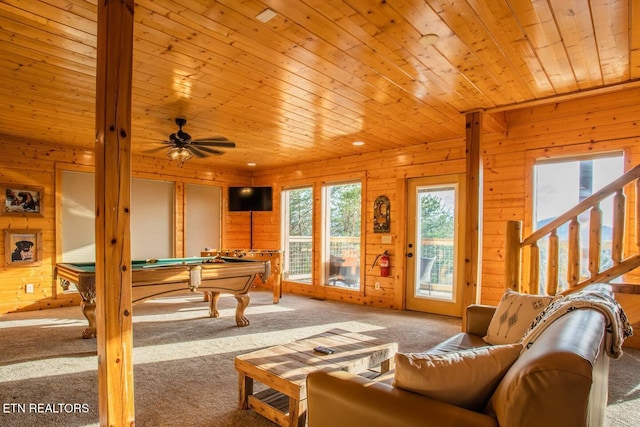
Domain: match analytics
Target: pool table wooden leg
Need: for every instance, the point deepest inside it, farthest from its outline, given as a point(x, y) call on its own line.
point(89, 311)
point(213, 303)
point(243, 302)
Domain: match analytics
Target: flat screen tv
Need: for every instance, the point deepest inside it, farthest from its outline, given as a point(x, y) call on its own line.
point(255, 199)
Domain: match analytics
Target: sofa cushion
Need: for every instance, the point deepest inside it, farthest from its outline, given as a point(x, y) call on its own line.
point(458, 342)
point(465, 378)
point(514, 315)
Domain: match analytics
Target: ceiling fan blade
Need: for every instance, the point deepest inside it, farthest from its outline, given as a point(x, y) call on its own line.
point(207, 149)
point(214, 143)
point(196, 151)
point(197, 147)
point(212, 138)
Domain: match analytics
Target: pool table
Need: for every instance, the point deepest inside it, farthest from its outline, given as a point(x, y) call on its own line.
point(162, 277)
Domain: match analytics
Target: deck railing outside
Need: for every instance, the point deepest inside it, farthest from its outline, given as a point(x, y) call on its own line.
point(300, 262)
point(442, 270)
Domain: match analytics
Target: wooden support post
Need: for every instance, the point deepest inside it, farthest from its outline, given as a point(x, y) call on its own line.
point(512, 255)
point(637, 225)
point(472, 208)
point(113, 184)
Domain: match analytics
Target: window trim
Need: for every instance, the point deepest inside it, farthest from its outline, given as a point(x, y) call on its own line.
point(284, 217)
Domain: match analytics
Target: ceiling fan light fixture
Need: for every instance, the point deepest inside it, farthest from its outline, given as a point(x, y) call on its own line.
point(180, 154)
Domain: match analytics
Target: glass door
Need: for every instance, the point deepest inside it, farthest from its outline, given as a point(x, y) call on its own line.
point(434, 245)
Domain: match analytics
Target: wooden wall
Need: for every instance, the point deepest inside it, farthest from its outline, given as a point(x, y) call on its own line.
point(607, 122)
point(381, 173)
point(597, 124)
point(600, 123)
point(35, 164)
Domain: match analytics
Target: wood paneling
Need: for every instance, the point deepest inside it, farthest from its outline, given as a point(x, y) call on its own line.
point(301, 87)
point(505, 173)
point(32, 163)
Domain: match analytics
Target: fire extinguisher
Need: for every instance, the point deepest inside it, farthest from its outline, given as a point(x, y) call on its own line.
point(384, 263)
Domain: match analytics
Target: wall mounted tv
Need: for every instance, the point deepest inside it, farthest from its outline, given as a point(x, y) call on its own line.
point(255, 199)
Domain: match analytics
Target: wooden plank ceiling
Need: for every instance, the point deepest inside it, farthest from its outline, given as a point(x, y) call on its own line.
point(316, 77)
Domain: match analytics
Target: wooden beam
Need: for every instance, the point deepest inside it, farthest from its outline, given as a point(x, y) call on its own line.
point(113, 183)
point(554, 99)
point(472, 208)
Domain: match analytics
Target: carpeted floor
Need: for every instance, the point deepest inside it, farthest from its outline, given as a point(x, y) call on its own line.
point(183, 360)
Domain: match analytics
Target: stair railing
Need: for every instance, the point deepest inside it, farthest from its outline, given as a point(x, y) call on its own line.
point(514, 244)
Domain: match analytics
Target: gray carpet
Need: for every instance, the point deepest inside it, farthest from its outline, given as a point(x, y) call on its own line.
point(183, 360)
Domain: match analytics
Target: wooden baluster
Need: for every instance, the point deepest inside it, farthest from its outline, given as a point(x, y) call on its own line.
point(595, 236)
point(619, 202)
point(512, 257)
point(573, 267)
point(534, 268)
point(552, 267)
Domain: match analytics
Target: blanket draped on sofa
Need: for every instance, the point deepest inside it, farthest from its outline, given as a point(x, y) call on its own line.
point(618, 327)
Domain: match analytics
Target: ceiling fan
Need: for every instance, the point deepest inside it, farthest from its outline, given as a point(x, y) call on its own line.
point(183, 147)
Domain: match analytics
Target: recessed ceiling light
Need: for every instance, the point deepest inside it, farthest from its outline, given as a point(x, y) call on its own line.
point(357, 143)
point(429, 39)
point(251, 164)
point(266, 16)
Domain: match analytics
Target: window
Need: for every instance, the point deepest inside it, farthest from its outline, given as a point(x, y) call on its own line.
point(151, 218)
point(342, 232)
point(78, 217)
point(202, 218)
point(298, 234)
point(152, 221)
point(561, 184)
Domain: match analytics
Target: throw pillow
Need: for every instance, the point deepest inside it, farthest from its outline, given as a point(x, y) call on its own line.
point(464, 378)
point(514, 315)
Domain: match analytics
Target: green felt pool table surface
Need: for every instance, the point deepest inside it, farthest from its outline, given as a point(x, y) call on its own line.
point(90, 267)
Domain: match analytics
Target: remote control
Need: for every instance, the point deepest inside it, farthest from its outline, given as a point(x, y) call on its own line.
point(324, 350)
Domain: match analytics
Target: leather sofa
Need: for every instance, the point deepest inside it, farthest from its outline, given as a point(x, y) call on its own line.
point(560, 381)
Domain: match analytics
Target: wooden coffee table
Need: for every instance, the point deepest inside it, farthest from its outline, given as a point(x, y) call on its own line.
point(283, 369)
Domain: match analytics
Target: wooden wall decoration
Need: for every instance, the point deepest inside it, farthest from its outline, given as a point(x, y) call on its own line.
point(381, 215)
point(23, 248)
point(21, 200)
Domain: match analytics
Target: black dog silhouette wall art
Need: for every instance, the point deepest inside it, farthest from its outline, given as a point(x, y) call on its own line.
point(22, 251)
point(23, 248)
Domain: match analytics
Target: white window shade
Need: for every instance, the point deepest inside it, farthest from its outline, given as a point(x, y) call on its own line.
point(152, 222)
point(78, 217)
point(202, 218)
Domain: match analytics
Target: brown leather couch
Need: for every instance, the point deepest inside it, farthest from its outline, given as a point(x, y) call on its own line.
point(560, 381)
